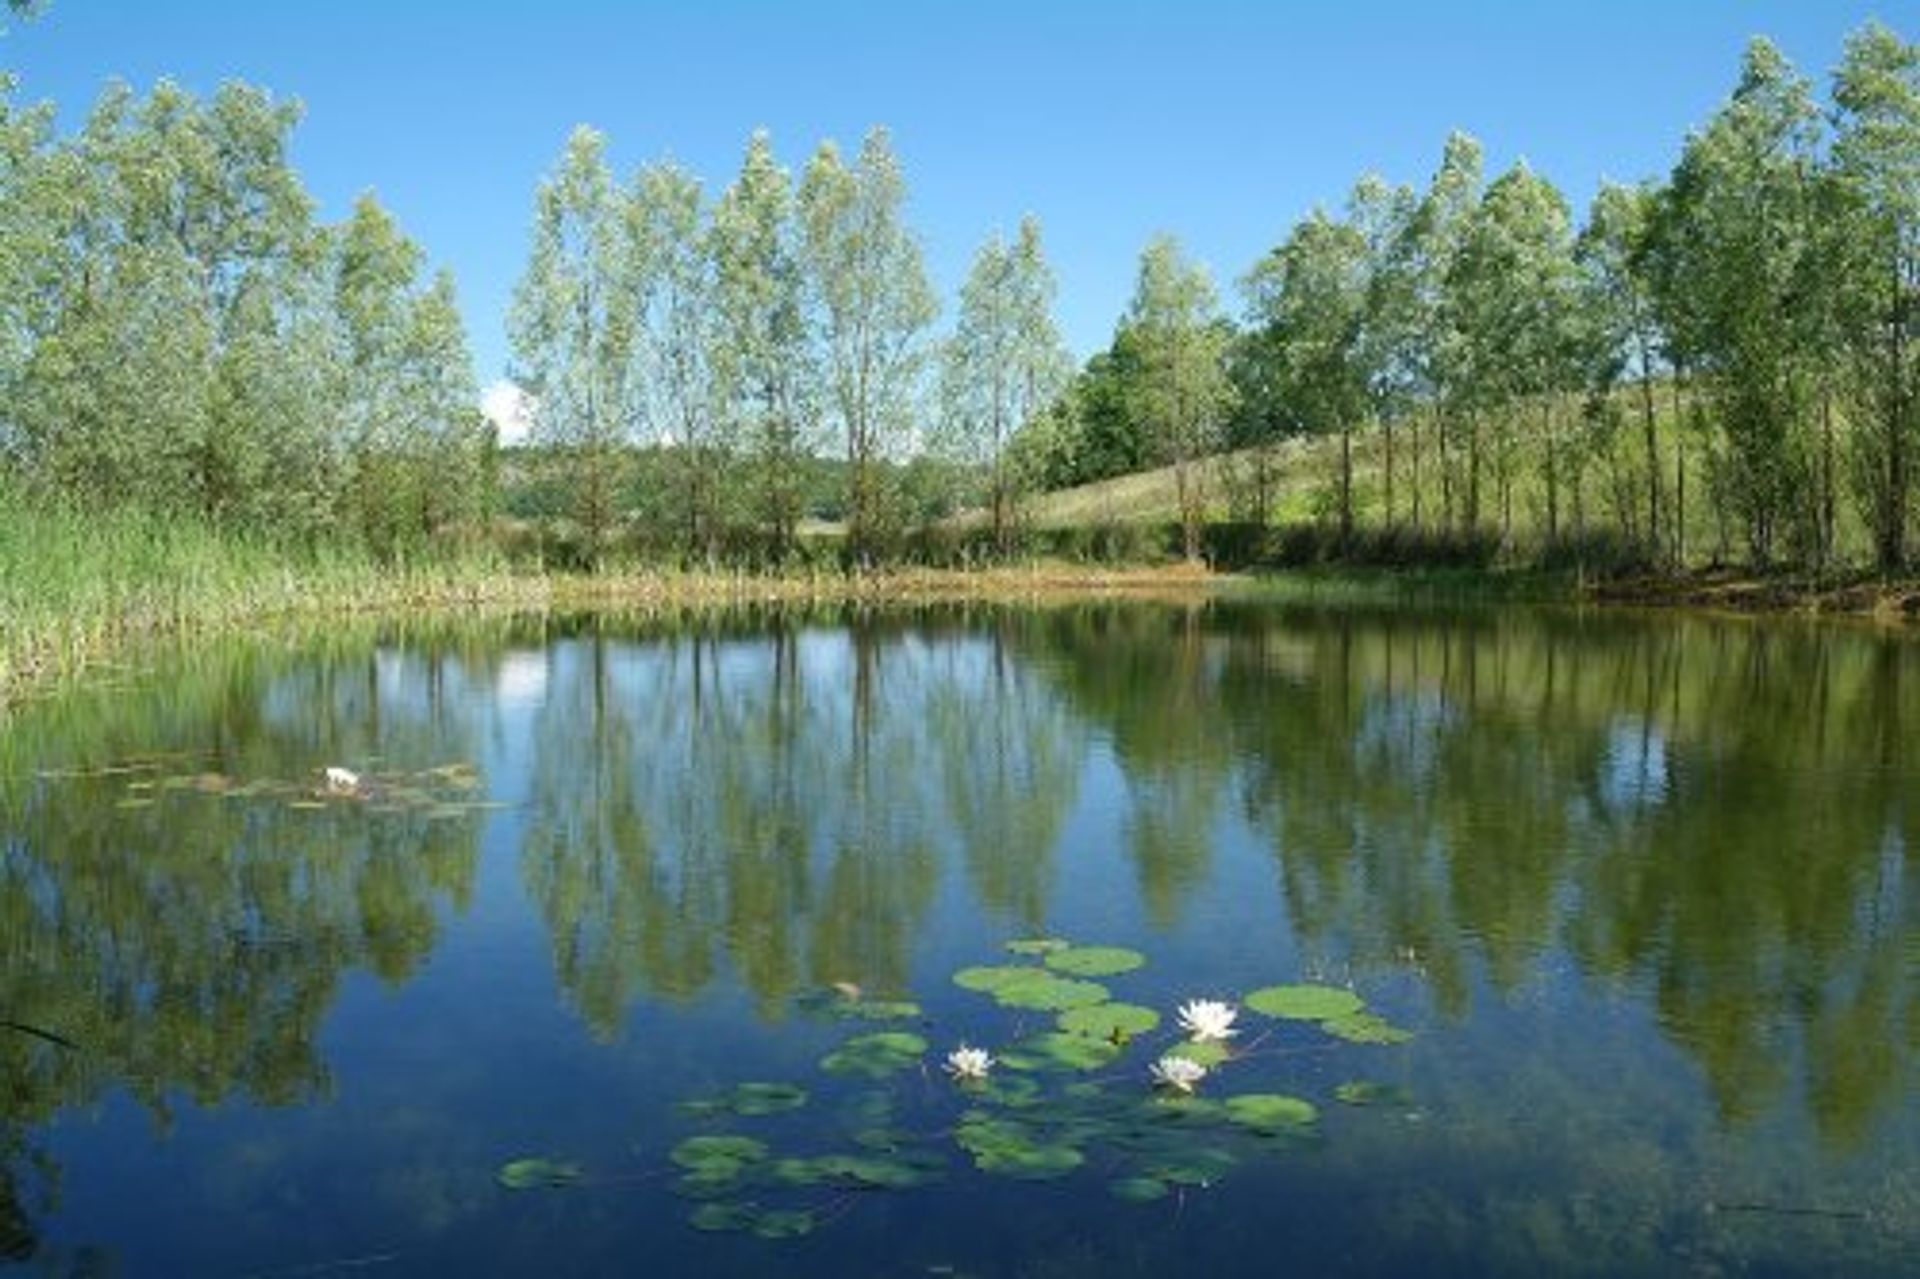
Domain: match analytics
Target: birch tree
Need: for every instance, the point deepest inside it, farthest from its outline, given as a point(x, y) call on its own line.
point(1003, 365)
point(871, 305)
point(1183, 393)
point(572, 328)
point(759, 339)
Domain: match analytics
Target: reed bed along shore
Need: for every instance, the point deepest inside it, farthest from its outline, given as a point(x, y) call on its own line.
point(76, 588)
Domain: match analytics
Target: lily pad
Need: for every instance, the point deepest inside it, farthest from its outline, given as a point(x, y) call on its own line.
point(1366, 1092)
point(877, 1055)
point(1048, 993)
point(1365, 1028)
point(1201, 1166)
point(783, 1223)
point(719, 1217)
point(1031, 1163)
point(876, 1010)
point(989, 979)
point(1109, 1021)
point(749, 1099)
point(1271, 1113)
point(1095, 961)
point(538, 1174)
point(1036, 946)
point(1138, 1190)
point(1208, 1052)
point(711, 1155)
point(1058, 1050)
point(878, 1172)
point(1304, 1003)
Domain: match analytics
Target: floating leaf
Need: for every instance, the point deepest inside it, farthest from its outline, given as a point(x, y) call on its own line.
point(1048, 993)
point(1036, 946)
point(1208, 1052)
point(538, 1174)
point(1095, 961)
point(1138, 1190)
point(1304, 1003)
point(748, 1099)
point(711, 1154)
point(1365, 1028)
point(878, 1172)
point(1032, 1163)
point(987, 979)
point(1057, 1050)
point(1011, 1091)
point(877, 1055)
point(1109, 1021)
point(1365, 1092)
point(1271, 1113)
point(1197, 1167)
point(783, 1223)
point(767, 1099)
point(717, 1217)
point(875, 1010)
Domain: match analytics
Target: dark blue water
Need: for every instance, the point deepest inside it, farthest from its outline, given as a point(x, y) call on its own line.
point(1641, 891)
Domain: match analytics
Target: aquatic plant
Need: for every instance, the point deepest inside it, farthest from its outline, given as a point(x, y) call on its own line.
point(1208, 1019)
point(969, 1064)
point(1181, 1074)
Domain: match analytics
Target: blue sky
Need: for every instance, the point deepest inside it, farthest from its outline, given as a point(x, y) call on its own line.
point(1222, 121)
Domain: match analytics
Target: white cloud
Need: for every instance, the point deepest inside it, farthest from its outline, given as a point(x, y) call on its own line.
point(510, 409)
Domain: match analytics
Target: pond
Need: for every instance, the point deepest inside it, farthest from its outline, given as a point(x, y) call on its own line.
point(1556, 943)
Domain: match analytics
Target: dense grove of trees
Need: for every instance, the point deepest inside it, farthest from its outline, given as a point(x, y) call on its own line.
point(179, 333)
point(742, 336)
point(1741, 334)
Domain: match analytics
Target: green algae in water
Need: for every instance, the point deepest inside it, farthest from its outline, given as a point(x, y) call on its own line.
point(1304, 1002)
point(877, 1055)
point(1095, 961)
point(538, 1174)
point(1109, 1021)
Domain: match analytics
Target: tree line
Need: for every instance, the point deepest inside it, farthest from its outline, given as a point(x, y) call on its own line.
point(180, 333)
point(746, 333)
point(1715, 365)
point(1726, 354)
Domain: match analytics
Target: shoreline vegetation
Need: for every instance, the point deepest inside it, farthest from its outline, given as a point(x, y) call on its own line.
point(77, 594)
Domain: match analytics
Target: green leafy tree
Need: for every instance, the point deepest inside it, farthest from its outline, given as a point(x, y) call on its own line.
point(759, 339)
point(1617, 302)
point(573, 330)
point(1003, 365)
point(871, 305)
point(1876, 162)
point(1182, 395)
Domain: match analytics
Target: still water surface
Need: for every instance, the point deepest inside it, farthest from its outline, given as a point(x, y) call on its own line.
point(1642, 890)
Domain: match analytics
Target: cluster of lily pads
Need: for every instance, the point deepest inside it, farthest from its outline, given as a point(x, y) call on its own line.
point(1034, 1107)
point(443, 792)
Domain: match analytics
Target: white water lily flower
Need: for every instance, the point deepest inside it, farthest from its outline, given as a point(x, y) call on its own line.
point(1208, 1019)
point(342, 779)
point(1177, 1073)
point(966, 1063)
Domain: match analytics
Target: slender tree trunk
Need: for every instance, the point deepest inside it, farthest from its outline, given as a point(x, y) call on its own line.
point(1553, 468)
point(1679, 467)
point(1346, 485)
point(1828, 513)
point(1653, 451)
point(1386, 443)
